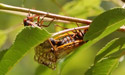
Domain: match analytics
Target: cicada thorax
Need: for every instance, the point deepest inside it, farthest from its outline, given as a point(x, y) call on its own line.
point(53, 49)
point(69, 43)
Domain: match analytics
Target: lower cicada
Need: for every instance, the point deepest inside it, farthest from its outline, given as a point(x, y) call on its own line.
point(62, 43)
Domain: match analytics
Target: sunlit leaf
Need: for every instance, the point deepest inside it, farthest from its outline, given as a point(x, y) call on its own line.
point(106, 23)
point(103, 25)
point(104, 67)
point(82, 8)
point(112, 47)
point(28, 38)
point(41, 69)
point(2, 53)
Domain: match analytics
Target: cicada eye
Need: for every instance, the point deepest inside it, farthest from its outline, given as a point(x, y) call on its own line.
point(53, 41)
point(25, 22)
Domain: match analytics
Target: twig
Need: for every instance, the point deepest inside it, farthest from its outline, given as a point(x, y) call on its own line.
point(49, 15)
point(72, 29)
point(25, 14)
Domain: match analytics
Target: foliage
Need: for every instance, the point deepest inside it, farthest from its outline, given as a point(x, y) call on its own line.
point(33, 37)
point(84, 8)
point(104, 58)
point(105, 61)
point(100, 29)
point(2, 37)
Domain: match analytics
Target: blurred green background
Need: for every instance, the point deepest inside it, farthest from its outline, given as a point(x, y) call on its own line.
point(11, 24)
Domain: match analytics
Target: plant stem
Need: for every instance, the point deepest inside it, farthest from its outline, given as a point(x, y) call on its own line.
point(72, 29)
point(49, 15)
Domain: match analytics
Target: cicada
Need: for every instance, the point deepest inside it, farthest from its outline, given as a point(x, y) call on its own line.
point(53, 49)
point(30, 20)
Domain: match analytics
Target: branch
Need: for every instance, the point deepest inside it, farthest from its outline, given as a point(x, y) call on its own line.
point(63, 19)
point(72, 29)
point(49, 15)
point(25, 14)
point(81, 27)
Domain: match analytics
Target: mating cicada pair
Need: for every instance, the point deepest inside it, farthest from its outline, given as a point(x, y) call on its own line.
point(61, 44)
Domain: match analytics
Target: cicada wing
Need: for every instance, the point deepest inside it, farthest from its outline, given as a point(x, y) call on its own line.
point(44, 55)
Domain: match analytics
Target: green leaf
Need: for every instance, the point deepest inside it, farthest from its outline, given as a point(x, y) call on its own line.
point(104, 67)
point(2, 37)
point(27, 39)
point(106, 23)
point(114, 46)
point(41, 69)
point(102, 26)
point(84, 8)
point(2, 53)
